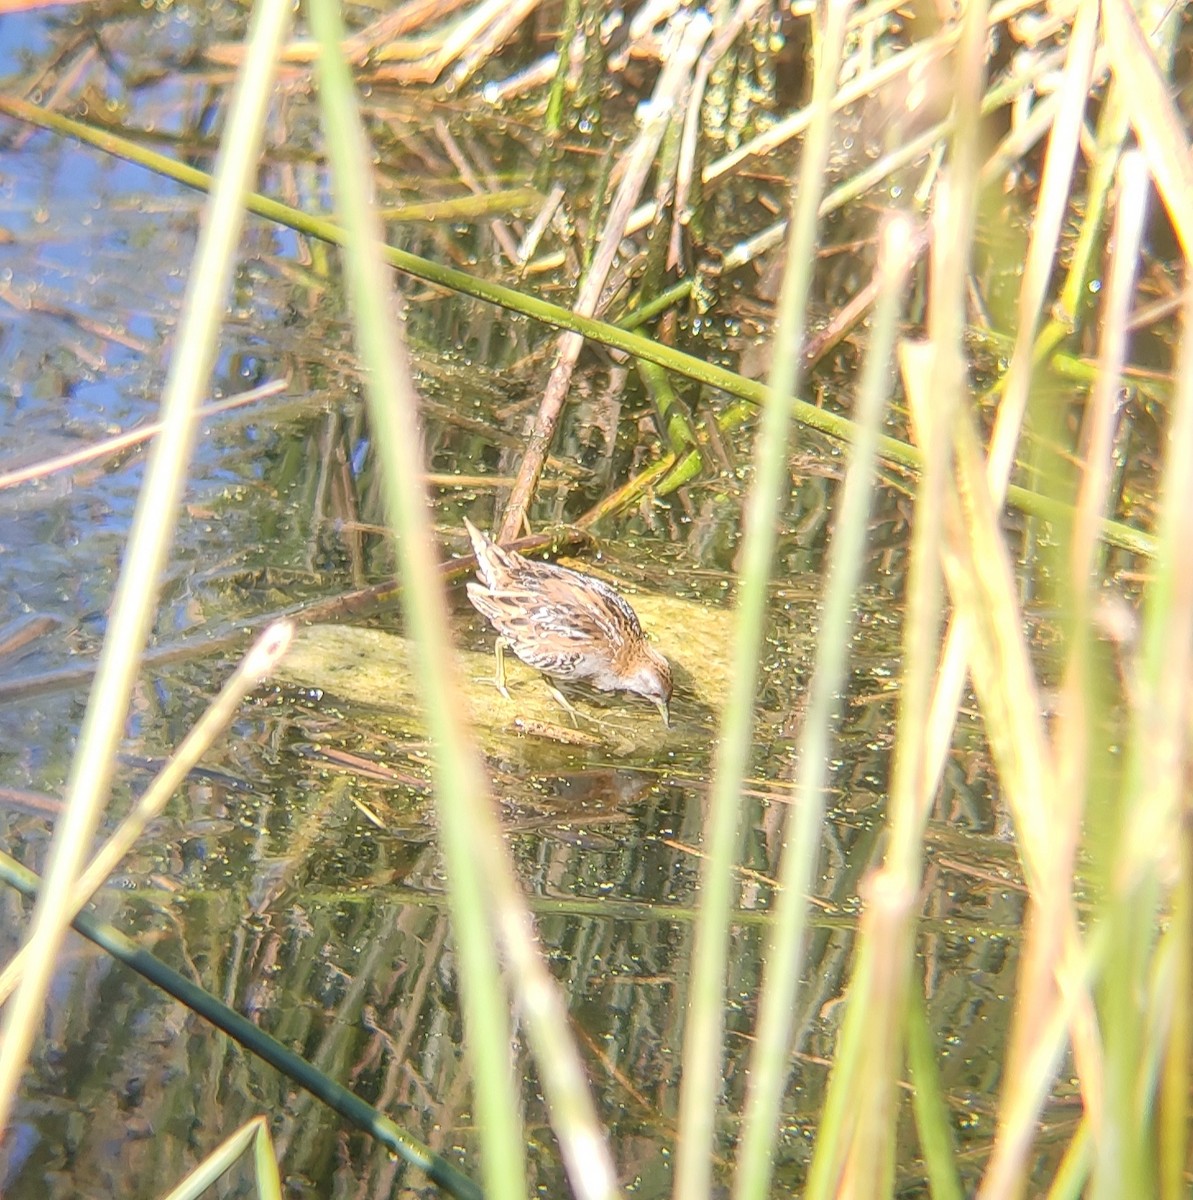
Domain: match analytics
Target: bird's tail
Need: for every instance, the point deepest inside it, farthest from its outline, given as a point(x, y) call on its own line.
point(490, 557)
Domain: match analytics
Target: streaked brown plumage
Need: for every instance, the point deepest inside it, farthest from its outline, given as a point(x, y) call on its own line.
point(569, 626)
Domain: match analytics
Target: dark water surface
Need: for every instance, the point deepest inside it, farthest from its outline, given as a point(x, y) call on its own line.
point(301, 888)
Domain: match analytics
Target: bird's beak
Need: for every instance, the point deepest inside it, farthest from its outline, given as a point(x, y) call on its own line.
point(664, 712)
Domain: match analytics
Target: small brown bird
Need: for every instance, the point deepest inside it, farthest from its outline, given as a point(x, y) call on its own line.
point(567, 625)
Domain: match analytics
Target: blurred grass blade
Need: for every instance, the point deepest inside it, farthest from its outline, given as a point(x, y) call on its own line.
point(1050, 215)
point(260, 660)
point(225, 1156)
point(1153, 811)
point(1161, 130)
point(702, 1045)
point(459, 780)
point(486, 904)
point(1174, 1121)
point(150, 536)
point(933, 1121)
point(854, 1154)
point(1028, 349)
point(769, 1062)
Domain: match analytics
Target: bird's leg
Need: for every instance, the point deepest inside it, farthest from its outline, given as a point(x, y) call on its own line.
point(500, 648)
point(562, 700)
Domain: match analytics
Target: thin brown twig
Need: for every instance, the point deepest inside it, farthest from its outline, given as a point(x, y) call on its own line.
point(689, 34)
point(30, 302)
point(133, 437)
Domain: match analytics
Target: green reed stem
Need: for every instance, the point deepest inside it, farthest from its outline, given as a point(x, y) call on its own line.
point(255, 1040)
point(569, 30)
point(833, 425)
